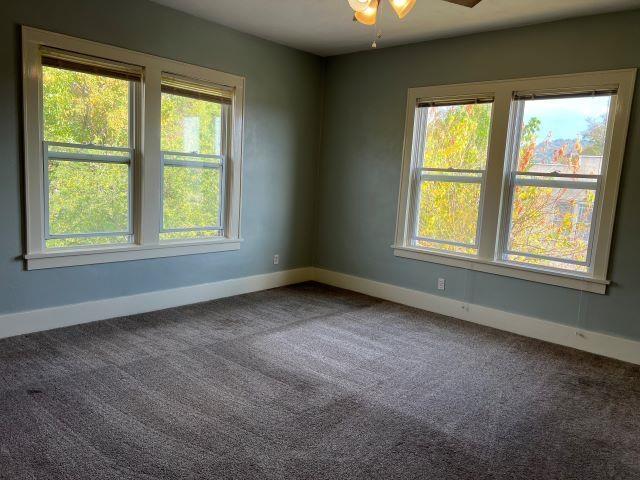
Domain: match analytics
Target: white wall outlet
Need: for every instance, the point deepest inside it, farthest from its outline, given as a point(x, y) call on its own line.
point(441, 284)
point(276, 259)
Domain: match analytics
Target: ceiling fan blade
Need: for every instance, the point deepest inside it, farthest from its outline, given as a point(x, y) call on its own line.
point(465, 3)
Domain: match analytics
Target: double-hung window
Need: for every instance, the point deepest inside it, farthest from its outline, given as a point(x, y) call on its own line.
point(89, 144)
point(194, 147)
point(127, 155)
point(555, 178)
point(450, 160)
point(516, 178)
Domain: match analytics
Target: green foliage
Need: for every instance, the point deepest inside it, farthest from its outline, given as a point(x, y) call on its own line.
point(92, 197)
point(190, 125)
point(103, 209)
point(191, 197)
point(84, 108)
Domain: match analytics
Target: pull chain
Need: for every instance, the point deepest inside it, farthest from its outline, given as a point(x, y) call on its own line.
point(378, 29)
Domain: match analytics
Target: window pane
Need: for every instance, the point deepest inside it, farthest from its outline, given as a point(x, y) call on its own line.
point(564, 135)
point(88, 197)
point(551, 222)
point(457, 136)
point(85, 108)
point(448, 211)
point(190, 125)
point(191, 197)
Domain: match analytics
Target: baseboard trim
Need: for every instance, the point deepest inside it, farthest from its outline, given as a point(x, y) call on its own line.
point(65, 315)
point(55, 317)
point(589, 341)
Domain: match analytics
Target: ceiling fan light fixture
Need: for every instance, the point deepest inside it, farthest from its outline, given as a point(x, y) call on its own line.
point(369, 14)
point(402, 7)
point(366, 11)
point(360, 5)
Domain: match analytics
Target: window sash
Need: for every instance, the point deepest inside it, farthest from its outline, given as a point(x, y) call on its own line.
point(422, 178)
point(198, 164)
point(554, 180)
point(508, 213)
point(444, 242)
point(435, 177)
point(197, 156)
point(86, 158)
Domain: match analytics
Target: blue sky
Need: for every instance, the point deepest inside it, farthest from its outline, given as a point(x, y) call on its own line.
point(565, 117)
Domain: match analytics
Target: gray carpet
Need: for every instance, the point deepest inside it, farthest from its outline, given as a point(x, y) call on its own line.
point(310, 382)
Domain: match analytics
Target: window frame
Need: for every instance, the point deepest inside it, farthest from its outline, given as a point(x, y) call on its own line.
point(146, 168)
point(496, 193)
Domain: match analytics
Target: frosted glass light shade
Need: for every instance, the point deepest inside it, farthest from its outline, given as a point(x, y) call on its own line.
point(402, 7)
point(368, 16)
point(359, 5)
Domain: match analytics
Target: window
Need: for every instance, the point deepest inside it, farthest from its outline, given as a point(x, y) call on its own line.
point(194, 119)
point(88, 151)
point(555, 178)
point(452, 139)
point(127, 155)
point(516, 178)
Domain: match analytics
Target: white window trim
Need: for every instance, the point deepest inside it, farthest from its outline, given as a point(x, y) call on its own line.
point(494, 192)
point(147, 181)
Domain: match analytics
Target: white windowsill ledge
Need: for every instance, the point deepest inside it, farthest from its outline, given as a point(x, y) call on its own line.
point(573, 281)
point(124, 253)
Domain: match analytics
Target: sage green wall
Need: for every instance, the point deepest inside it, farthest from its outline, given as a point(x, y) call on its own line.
point(362, 152)
point(283, 88)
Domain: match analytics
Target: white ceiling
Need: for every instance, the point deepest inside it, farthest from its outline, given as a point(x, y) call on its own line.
point(325, 27)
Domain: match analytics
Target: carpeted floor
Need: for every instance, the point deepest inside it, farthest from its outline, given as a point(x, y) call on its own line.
point(310, 382)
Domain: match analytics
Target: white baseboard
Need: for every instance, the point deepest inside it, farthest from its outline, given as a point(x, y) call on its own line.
point(47, 318)
point(55, 317)
point(593, 342)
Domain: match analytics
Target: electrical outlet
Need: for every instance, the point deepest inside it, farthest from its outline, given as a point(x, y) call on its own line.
point(441, 284)
point(276, 259)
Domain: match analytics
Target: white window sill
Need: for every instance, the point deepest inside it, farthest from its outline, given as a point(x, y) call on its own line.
point(124, 253)
point(567, 280)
